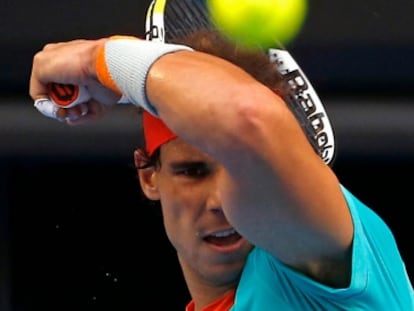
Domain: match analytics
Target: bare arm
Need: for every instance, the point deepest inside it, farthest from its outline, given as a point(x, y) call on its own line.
point(278, 192)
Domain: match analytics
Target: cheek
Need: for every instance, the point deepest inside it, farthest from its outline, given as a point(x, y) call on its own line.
point(181, 211)
point(179, 206)
point(179, 225)
point(181, 199)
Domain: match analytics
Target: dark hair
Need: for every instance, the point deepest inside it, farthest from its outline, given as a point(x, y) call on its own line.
point(256, 63)
point(152, 160)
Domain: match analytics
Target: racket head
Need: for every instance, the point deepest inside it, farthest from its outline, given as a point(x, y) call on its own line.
point(168, 20)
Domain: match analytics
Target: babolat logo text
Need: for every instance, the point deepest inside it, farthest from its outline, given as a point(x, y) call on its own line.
point(154, 34)
point(299, 92)
point(306, 105)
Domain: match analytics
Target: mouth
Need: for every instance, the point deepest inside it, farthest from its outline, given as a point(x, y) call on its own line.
point(223, 238)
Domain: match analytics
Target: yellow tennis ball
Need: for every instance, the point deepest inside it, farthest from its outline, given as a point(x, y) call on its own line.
point(259, 23)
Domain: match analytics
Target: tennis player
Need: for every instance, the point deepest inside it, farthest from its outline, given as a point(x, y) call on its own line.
point(257, 217)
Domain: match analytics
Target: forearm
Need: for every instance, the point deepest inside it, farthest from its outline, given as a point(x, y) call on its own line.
point(192, 92)
point(204, 99)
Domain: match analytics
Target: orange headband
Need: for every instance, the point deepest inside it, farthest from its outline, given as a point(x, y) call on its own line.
point(156, 133)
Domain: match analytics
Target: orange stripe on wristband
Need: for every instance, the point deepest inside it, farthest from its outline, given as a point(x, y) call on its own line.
point(156, 133)
point(102, 71)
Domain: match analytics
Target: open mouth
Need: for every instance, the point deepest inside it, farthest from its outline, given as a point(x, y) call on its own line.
point(223, 238)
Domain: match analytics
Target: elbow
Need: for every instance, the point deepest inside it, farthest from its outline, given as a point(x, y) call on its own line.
point(255, 113)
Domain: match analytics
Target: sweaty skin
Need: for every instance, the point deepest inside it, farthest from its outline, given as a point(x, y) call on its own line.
point(270, 203)
point(257, 173)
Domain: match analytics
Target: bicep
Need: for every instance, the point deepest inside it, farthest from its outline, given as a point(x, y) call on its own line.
point(283, 197)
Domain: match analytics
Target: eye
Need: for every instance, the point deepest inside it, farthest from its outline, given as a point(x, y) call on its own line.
point(193, 170)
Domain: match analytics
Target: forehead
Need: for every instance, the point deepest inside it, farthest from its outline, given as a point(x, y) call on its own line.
point(177, 149)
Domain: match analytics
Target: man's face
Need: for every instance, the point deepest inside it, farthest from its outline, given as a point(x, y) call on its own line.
point(188, 186)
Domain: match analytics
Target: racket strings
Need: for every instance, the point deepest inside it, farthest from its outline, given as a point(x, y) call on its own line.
point(185, 16)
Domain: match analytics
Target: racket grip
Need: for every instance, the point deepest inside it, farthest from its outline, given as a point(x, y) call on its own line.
point(67, 95)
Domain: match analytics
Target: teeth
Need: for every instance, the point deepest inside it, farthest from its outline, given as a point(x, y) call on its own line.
point(223, 234)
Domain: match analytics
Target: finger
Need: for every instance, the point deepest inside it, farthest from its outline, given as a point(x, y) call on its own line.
point(95, 111)
point(74, 113)
point(37, 89)
point(47, 108)
point(54, 45)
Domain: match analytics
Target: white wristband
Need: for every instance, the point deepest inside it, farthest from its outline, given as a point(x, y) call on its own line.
point(128, 62)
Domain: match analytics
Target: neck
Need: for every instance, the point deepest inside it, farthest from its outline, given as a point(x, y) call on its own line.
point(203, 291)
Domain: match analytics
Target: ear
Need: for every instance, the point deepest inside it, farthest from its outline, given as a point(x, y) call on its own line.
point(146, 176)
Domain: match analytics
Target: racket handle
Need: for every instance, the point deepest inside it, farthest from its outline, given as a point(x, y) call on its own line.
point(67, 95)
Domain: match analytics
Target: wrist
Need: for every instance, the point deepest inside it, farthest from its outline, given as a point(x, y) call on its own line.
point(123, 63)
point(96, 49)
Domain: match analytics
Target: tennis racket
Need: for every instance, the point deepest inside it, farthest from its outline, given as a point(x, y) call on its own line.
point(167, 20)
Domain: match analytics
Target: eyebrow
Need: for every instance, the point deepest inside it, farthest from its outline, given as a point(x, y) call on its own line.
point(186, 164)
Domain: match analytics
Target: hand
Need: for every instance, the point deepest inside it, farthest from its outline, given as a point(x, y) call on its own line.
point(73, 63)
point(78, 114)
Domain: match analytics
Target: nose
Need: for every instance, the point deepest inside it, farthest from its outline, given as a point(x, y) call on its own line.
point(214, 203)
